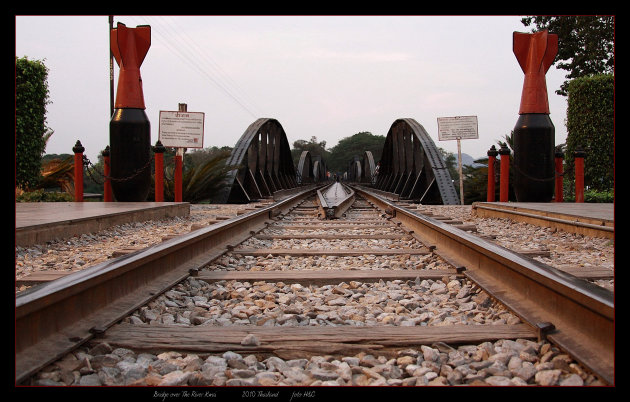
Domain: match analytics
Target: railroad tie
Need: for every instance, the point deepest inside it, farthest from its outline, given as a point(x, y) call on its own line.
point(342, 253)
point(125, 251)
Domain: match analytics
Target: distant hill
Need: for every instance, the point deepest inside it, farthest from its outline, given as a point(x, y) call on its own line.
point(468, 160)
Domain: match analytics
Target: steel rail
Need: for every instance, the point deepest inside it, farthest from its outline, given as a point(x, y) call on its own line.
point(337, 209)
point(54, 318)
point(571, 312)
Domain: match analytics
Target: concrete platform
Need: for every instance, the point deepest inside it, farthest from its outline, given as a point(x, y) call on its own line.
point(39, 222)
point(590, 219)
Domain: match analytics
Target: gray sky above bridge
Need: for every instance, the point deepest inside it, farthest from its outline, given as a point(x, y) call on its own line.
point(323, 76)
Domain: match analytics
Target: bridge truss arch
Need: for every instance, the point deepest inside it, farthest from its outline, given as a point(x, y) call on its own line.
point(262, 161)
point(305, 168)
point(355, 170)
point(319, 169)
point(368, 168)
point(311, 168)
point(412, 167)
point(362, 169)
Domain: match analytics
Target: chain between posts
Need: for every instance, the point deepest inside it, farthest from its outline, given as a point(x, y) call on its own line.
point(89, 167)
point(556, 174)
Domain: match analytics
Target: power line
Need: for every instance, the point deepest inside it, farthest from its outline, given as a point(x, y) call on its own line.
point(181, 48)
point(197, 50)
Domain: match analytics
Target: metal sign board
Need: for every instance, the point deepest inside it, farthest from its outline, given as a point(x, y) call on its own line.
point(457, 128)
point(181, 129)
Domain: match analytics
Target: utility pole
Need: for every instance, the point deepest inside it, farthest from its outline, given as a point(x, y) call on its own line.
point(111, 68)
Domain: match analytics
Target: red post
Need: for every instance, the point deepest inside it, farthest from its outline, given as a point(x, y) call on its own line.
point(492, 156)
point(505, 173)
point(107, 168)
point(78, 171)
point(579, 174)
point(159, 149)
point(559, 189)
point(178, 177)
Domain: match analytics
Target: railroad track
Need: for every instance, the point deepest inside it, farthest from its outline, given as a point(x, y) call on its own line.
point(376, 279)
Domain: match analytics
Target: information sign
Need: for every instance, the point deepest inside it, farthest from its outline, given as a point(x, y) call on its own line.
point(181, 129)
point(457, 128)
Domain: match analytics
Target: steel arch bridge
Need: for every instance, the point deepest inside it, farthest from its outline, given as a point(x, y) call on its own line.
point(311, 169)
point(362, 170)
point(412, 167)
point(263, 164)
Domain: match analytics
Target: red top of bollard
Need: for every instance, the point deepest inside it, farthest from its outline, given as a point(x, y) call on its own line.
point(129, 47)
point(535, 54)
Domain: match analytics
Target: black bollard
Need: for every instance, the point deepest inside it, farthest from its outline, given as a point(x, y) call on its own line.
point(534, 133)
point(534, 160)
point(129, 128)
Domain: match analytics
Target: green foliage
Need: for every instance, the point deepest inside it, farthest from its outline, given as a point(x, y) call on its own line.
point(586, 44)
point(450, 160)
point(590, 125)
point(592, 195)
point(31, 132)
point(200, 182)
point(199, 156)
point(313, 146)
point(94, 176)
point(476, 182)
point(343, 153)
point(44, 196)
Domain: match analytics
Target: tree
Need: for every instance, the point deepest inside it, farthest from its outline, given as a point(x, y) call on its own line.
point(586, 44)
point(342, 154)
point(31, 131)
point(476, 181)
point(450, 160)
point(199, 156)
point(313, 146)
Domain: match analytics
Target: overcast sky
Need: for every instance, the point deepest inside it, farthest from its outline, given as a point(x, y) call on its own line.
point(323, 76)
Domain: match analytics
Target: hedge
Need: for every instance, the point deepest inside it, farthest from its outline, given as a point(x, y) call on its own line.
point(590, 125)
point(31, 132)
